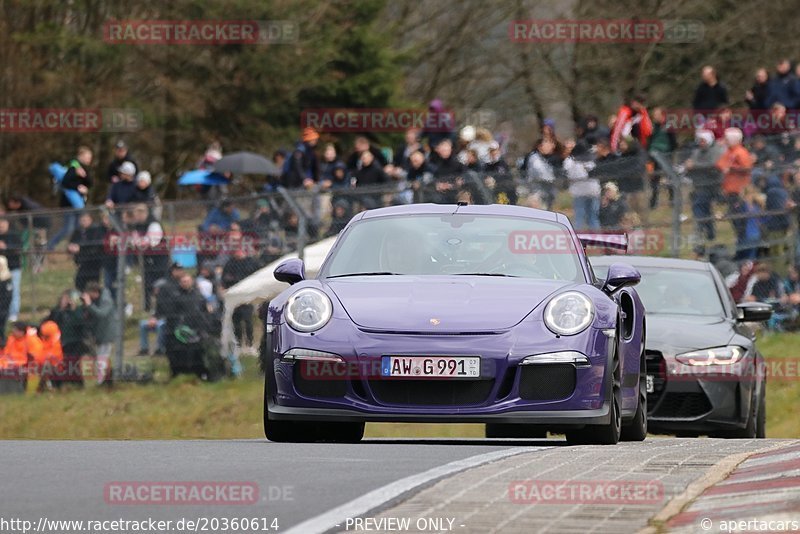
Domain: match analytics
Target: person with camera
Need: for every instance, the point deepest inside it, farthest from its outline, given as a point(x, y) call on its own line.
point(98, 307)
point(70, 319)
point(188, 326)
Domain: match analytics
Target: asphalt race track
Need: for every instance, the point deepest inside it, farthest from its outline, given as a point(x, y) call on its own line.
point(66, 479)
point(391, 485)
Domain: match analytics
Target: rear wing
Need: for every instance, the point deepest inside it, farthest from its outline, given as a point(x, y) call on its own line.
point(616, 241)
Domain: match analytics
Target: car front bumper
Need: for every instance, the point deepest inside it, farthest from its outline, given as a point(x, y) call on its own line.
point(699, 401)
point(539, 417)
point(498, 396)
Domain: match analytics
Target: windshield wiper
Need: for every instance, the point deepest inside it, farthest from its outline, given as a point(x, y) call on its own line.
point(386, 273)
point(488, 274)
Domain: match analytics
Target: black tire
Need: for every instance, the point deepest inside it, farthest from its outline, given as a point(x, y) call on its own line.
point(290, 431)
point(310, 431)
point(343, 432)
point(511, 430)
point(636, 429)
point(285, 432)
point(609, 433)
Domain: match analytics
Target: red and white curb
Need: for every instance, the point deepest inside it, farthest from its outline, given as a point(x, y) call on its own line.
point(761, 494)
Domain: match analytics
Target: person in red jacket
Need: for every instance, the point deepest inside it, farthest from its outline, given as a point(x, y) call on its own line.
point(738, 283)
point(632, 119)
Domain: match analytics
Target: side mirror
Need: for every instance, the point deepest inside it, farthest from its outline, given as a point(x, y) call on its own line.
point(620, 275)
point(753, 312)
point(290, 271)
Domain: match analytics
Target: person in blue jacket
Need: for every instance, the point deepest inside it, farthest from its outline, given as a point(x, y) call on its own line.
point(123, 191)
point(784, 87)
point(220, 218)
point(74, 189)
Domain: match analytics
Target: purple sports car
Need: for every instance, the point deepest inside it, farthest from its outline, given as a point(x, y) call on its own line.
point(457, 313)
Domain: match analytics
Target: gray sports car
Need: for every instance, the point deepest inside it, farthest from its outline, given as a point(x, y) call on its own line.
point(704, 372)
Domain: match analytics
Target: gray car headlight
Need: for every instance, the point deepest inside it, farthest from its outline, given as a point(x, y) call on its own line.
point(308, 310)
point(716, 356)
point(569, 313)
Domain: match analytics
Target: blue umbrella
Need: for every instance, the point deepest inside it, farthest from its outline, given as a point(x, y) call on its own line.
point(57, 171)
point(202, 177)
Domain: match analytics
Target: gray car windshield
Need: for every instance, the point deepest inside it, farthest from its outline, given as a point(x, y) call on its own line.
point(457, 245)
point(676, 292)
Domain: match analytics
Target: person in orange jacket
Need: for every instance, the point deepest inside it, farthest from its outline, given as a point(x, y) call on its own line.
point(14, 360)
point(23, 348)
point(16, 351)
point(51, 357)
point(736, 165)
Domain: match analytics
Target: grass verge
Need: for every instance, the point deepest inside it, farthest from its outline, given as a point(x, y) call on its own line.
point(188, 408)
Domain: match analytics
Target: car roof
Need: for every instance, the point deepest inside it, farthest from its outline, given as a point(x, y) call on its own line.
point(473, 209)
point(651, 261)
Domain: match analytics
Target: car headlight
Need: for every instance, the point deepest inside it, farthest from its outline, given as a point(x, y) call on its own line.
point(308, 310)
point(716, 356)
point(568, 313)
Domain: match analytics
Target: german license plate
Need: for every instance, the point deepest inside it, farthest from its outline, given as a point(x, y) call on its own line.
point(431, 366)
point(650, 384)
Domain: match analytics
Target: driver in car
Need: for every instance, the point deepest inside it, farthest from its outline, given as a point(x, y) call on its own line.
point(405, 253)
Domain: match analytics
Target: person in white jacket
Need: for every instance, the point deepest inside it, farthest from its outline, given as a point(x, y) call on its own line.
point(585, 191)
point(541, 173)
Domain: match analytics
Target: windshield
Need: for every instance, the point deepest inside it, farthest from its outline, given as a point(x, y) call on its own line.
point(457, 245)
point(676, 292)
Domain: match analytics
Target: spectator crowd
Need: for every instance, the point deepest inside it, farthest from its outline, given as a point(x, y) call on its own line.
point(613, 172)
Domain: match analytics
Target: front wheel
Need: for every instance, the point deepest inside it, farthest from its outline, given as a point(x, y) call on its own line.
point(609, 433)
point(288, 431)
point(636, 430)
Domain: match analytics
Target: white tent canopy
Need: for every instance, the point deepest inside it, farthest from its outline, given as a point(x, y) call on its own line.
point(261, 286)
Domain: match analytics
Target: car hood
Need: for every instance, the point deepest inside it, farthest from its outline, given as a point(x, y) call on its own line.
point(440, 304)
point(674, 334)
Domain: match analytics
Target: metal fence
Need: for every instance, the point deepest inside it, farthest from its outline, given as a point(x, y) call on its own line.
point(165, 267)
point(160, 270)
point(706, 221)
